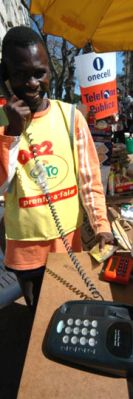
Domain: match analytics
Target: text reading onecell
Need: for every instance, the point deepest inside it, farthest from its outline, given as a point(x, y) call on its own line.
point(100, 75)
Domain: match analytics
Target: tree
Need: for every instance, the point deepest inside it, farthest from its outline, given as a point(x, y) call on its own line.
point(61, 59)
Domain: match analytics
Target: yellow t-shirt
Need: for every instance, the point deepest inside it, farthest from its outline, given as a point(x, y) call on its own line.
point(27, 213)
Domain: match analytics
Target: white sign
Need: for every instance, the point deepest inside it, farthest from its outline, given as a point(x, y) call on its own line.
point(97, 79)
point(93, 68)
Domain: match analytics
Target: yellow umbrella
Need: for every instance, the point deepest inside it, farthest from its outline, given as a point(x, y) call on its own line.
point(106, 24)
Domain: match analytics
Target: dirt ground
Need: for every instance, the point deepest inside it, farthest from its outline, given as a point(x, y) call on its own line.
point(15, 329)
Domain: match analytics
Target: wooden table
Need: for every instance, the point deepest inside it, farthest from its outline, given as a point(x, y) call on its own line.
point(46, 379)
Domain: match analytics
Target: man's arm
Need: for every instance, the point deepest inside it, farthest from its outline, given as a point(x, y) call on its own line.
point(90, 185)
point(8, 159)
point(18, 115)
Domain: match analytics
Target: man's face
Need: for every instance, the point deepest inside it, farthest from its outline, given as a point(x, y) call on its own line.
point(28, 73)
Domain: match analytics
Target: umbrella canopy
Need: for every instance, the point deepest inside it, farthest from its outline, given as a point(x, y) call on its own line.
point(106, 24)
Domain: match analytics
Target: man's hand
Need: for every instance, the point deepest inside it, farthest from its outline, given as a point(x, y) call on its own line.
point(104, 238)
point(18, 114)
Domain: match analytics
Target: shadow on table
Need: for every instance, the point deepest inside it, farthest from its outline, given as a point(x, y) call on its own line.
point(15, 328)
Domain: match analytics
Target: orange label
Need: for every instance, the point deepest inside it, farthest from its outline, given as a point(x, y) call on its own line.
point(102, 99)
point(38, 200)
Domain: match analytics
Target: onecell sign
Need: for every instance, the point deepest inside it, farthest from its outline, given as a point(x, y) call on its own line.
point(97, 78)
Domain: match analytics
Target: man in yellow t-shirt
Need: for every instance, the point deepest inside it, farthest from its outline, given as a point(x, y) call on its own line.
point(35, 148)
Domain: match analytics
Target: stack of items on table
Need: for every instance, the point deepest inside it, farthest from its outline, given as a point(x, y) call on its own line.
point(121, 173)
point(121, 225)
point(121, 220)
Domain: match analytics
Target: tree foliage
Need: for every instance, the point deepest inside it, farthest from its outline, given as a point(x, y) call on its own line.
point(61, 59)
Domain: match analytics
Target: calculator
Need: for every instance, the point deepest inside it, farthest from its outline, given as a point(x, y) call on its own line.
point(118, 269)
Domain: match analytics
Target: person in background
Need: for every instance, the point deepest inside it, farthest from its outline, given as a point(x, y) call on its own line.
point(129, 115)
point(119, 125)
point(120, 101)
point(36, 157)
point(128, 106)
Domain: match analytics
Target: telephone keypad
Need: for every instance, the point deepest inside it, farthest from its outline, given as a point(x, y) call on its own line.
point(78, 332)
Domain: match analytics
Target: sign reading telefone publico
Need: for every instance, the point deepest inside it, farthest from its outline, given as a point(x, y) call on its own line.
point(96, 74)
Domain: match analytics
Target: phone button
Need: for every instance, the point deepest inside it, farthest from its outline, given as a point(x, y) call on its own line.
point(86, 323)
point(76, 330)
point(78, 322)
point(74, 340)
point(70, 322)
point(92, 342)
point(60, 326)
point(68, 330)
point(65, 339)
point(93, 332)
point(84, 331)
point(94, 323)
point(82, 340)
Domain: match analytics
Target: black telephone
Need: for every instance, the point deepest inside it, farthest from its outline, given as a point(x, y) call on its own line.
point(92, 335)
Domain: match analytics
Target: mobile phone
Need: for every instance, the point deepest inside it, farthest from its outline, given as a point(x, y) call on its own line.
point(95, 335)
point(118, 269)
